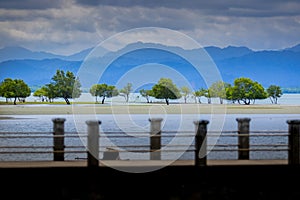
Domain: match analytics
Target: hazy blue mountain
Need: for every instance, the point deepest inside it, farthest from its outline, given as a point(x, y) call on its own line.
point(79, 56)
point(229, 52)
point(35, 72)
point(267, 67)
point(15, 52)
point(18, 53)
point(280, 67)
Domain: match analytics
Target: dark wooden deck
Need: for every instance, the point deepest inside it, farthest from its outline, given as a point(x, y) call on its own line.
point(220, 180)
point(136, 163)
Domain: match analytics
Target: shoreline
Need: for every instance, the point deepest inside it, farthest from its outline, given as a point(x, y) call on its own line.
point(34, 109)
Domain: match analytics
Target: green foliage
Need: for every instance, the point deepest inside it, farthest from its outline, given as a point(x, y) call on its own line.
point(16, 88)
point(245, 90)
point(146, 94)
point(46, 93)
point(103, 90)
point(166, 89)
point(218, 89)
point(208, 95)
point(199, 93)
point(51, 91)
point(229, 93)
point(65, 85)
point(41, 93)
point(185, 91)
point(274, 92)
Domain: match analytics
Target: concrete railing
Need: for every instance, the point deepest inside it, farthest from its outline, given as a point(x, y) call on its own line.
point(200, 148)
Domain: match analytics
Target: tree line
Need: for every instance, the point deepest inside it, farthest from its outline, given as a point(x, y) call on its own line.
point(65, 85)
point(243, 91)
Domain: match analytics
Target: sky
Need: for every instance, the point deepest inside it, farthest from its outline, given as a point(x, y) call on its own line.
point(69, 26)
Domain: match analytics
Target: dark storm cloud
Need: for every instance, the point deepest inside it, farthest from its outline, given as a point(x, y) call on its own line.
point(23, 15)
point(120, 19)
point(253, 8)
point(30, 4)
point(70, 25)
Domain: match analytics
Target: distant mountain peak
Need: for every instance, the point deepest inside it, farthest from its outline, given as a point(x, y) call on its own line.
point(237, 47)
point(18, 52)
point(21, 53)
point(295, 48)
point(227, 52)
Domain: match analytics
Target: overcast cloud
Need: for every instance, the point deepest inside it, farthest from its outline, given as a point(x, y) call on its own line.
point(66, 27)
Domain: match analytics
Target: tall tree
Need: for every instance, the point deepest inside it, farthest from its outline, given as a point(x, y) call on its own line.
point(16, 89)
point(166, 89)
point(66, 85)
point(125, 91)
point(103, 90)
point(274, 92)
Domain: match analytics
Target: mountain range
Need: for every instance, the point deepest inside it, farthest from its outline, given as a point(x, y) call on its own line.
point(279, 67)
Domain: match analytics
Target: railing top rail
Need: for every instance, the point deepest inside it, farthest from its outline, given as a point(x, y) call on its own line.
point(109, 133)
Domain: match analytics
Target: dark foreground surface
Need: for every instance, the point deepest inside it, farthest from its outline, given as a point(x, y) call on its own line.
point(172, 182)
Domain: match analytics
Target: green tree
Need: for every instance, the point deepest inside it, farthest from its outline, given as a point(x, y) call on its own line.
point(51, 91)
point(126, 91)
point(185, 91)
point(245, 90)
point(41, 93)
point(218, 89)
point(229, 93)
point(5, 88)
point(103, 90)
point(199, 93)
point(146, 94)
point(208, 95)
point(16, 89)
point(274, 92)
point(47, 93)
point(65, 85)
point(259, 92)
point(166, 89)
